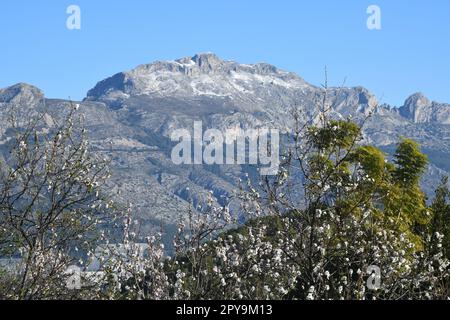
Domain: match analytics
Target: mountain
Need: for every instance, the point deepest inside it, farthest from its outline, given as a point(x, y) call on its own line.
point(419, 109)
point(131, 115)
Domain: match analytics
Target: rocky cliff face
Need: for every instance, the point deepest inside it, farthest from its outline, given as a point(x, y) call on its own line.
point(419, 109)
point(130, 117)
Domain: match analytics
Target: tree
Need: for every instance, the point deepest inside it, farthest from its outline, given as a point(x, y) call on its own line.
point(51, 204)
point(410, 162)
point(410, 165)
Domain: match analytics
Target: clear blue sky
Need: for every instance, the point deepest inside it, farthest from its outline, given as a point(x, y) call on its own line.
point(410, 53)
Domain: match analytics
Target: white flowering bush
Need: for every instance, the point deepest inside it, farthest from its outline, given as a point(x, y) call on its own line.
point(51, 205)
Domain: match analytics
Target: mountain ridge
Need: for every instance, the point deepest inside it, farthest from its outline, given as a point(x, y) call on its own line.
point(417, 107)
point(131, 115)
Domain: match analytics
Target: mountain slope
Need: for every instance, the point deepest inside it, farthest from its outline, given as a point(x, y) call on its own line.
point(130, 117)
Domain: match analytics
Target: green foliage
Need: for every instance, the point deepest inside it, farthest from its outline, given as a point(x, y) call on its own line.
point(354, 178)
point(372, 161)
point(410, 163)
point(335, 134)
point(408, 200)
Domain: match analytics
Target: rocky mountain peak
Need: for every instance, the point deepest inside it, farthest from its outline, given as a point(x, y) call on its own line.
point(203, 74)
point(207, 61)
point(256, 87)
point(419, 109)
point(20, 92)
point(416, 101)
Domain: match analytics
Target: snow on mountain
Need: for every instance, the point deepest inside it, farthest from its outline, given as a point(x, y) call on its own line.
point(202, 74)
